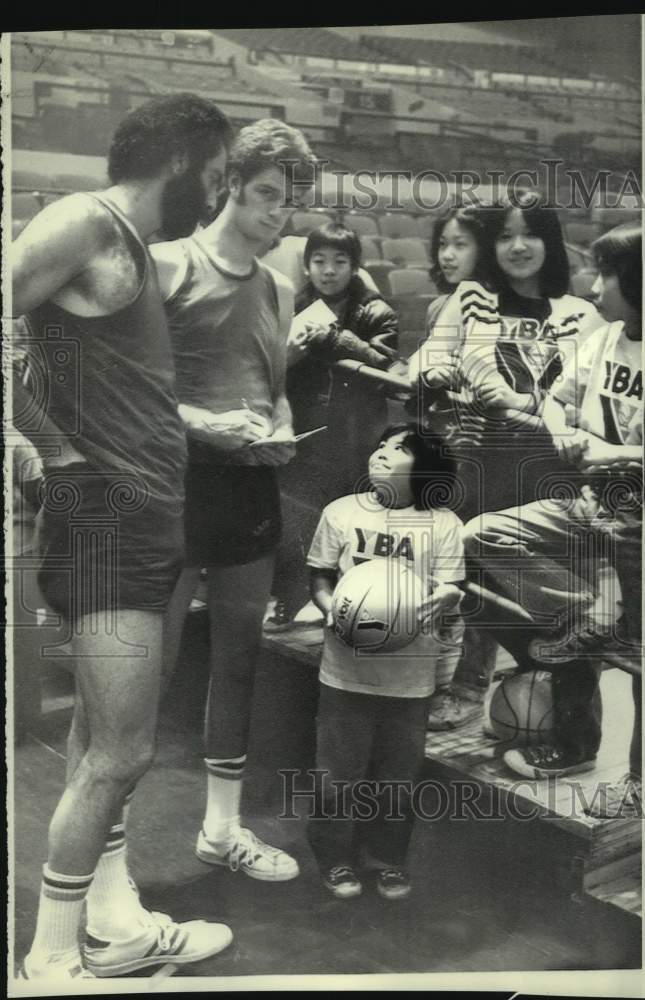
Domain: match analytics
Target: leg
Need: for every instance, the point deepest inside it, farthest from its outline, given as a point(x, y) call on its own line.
point(237, 598)
point(119, 695)
point(541, 557)
point(175, 618)
point(397, 758)
point(344, 738)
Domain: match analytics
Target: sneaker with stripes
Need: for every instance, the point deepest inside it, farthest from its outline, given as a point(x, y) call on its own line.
point(246, 852)
point(55, 972)
point(158, 941)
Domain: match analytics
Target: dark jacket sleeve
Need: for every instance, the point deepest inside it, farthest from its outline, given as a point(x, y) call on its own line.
point(373, 337)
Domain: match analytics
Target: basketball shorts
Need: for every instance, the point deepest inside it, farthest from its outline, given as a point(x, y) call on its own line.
point(105, 543)
point(232, 512)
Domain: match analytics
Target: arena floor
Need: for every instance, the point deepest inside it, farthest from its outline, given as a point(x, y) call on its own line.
point(487, 896)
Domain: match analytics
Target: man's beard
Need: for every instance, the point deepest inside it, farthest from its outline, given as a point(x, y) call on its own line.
point(183, 205)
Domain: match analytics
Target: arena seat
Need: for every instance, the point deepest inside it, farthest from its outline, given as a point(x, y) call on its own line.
point(407, 252)
point(397, 226)
point(577, 259)
point(581, 233)
point(304, 222)
point(411, 281)
point(411, 310)
point(425, 225)
point(371, 249)
point(362, 225)
point(582, 282)
point(380, 271)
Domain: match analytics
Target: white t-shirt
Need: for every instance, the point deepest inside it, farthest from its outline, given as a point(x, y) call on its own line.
point(356, 529)
point(605, 384)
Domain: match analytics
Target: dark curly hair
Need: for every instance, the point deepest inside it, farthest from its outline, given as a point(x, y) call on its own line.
point(154, 132)
point(271, 143)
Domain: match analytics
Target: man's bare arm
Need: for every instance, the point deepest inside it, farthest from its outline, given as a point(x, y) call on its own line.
point(53, 250)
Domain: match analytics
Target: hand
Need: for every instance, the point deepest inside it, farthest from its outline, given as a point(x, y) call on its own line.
point(469, 428)
point(297, 347)
point(496, 396)
point(441, 599)
point(571, 449)
point(600, 453)
point(317, 333)
point(277, 449)
point(444, 376)
point(226, 431)
point(67, 455)
point(329, 620)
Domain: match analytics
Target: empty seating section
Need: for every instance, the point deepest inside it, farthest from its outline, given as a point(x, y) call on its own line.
point(370, 248)
point(363, 225)
point(380, 271)
point(296, 41)
point(411, 281)
point(409, 252)
point(304, 222)
point(398, 225)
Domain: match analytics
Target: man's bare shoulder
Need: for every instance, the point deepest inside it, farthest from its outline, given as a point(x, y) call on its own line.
point(171, 262)
point(78, 218)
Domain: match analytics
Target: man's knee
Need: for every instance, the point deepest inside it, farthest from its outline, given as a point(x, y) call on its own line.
point(122, 766)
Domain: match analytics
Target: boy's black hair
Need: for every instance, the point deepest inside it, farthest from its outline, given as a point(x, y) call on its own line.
point(434, 472)
point(337, 237)
point(620, 252)
point(542, 222)
point(471, 217)
point(153, 133)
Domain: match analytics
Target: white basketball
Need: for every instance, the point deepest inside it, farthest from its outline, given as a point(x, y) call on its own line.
point(375, 604)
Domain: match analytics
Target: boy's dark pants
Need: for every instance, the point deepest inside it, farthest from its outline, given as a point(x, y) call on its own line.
point(544, 557)
point(381, 739)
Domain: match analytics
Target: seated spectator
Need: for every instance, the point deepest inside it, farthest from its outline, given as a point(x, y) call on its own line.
point(544, 555)
point(352, 409)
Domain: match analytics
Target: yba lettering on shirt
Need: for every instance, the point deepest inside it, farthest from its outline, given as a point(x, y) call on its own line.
point(381, 545)
point(620, 394)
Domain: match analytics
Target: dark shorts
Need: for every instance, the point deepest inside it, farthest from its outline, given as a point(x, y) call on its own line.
point(106, 544)
point(232, 513)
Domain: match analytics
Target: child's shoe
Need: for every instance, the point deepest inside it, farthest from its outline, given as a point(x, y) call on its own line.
point(393, 883)
point(342, 882)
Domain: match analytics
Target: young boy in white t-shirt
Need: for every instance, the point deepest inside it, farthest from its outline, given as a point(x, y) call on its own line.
point(372, 711)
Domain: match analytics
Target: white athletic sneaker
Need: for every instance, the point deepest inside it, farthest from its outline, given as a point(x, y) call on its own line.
point(55, 972)
point(251, 855)
point(158, 941)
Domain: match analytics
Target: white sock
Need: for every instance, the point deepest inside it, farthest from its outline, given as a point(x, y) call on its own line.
point(112, 902)
point(223, 796)
point(59, 917)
